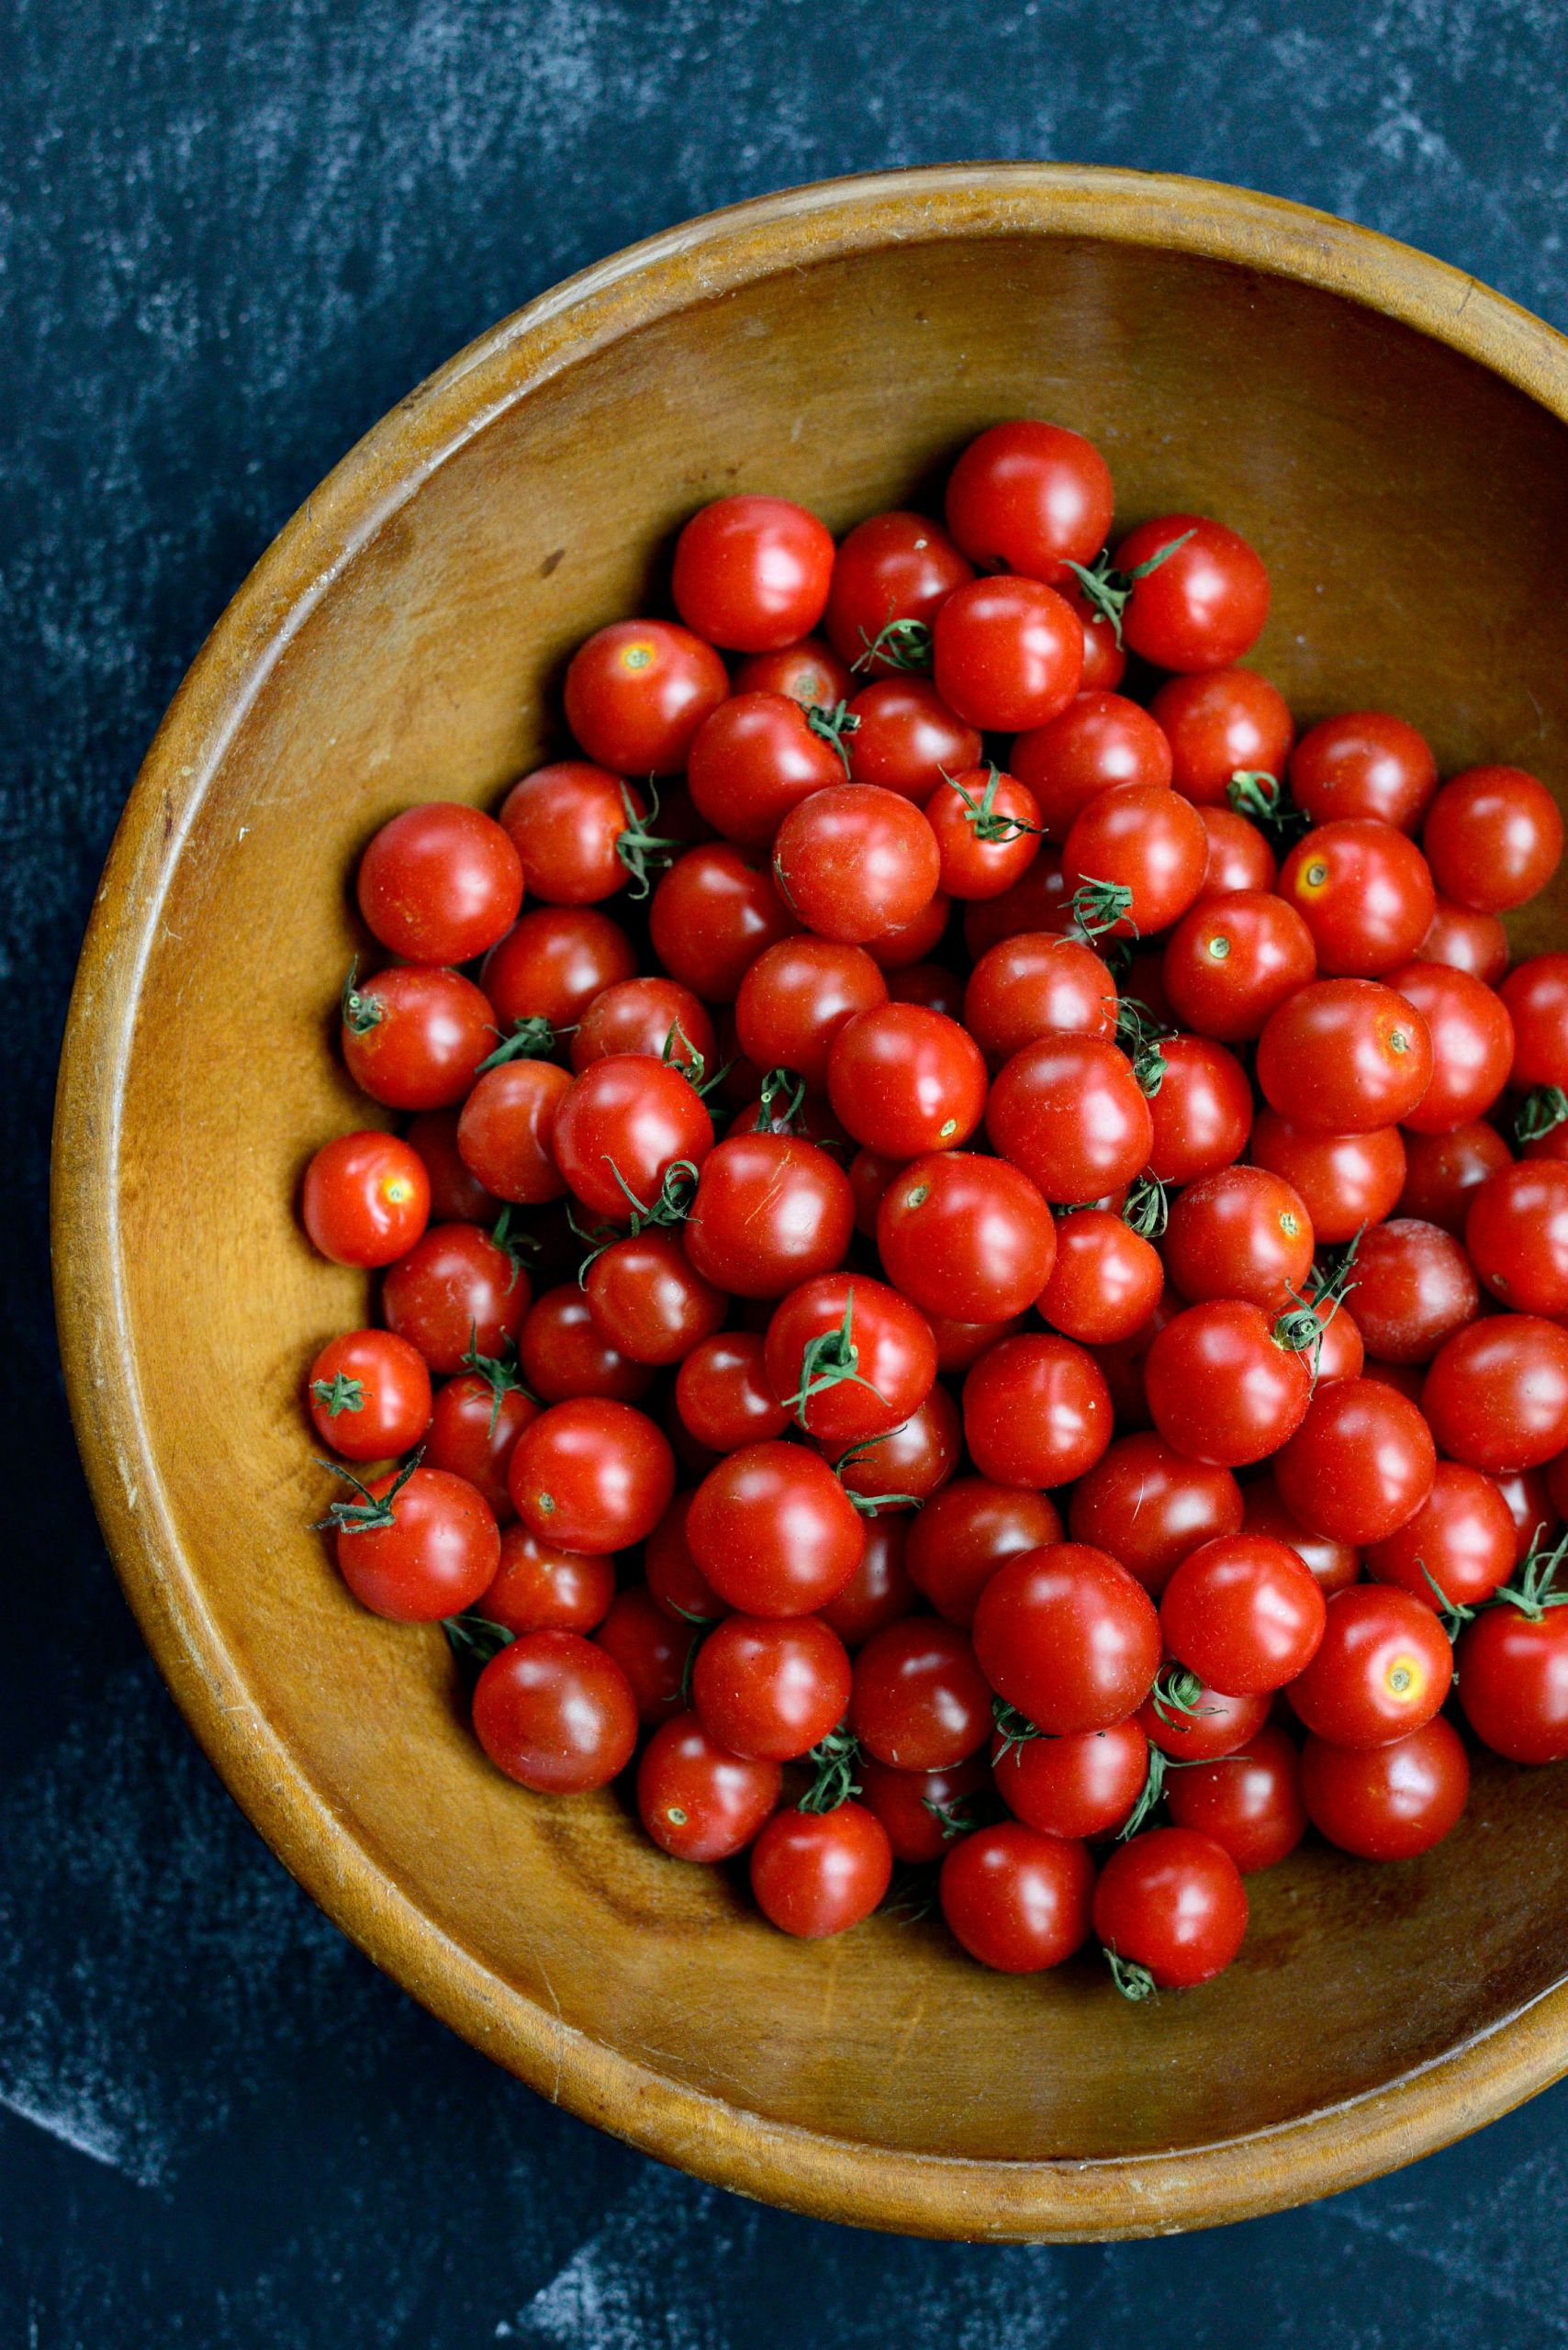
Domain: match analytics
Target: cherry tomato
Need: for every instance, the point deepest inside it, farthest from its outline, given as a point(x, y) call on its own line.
point(1151, 1508)
point(1344, 1181)
point(906, 738)
point(1037, 1411)
point(880, 1592)
point(712, 916)
point(1232, 960)
point(912, 1460)
point(1015, 1900)
point(1037, 984)
point(676, 1580)
point(962, 1343)
point(751, 574)
point(648, 1298)
point(768, 1688)
point(1387, 1803)
point(1106, 1280)
point(638, 691)
point(855, 860)
point(455, 1291)
point(1220, 722)
point(440, 883)
point(1517, 1236)
point(1444, 1171)
point(622, 1128)
point(922, 1810)
point(1364, 764)
point(1360, 1465)
point(538, 1588)
point(473, 1428)
point(1202, 1111)
point(1497, 1394)
point(1172, 1903)
point(808, 672)
point(1250, 1804)
point(797, 996)
point(1473, 1044)
point(909, 943)
point(1536, 995)
point(961, 1536)
point(1008, 653)
point(1070, 1112)
point(653, 1650)
point(369, 1394)
point(1222, 1384)
point(920, 1701)
point(554, 963)
point(1334, 1565)
point(905, 1080)
point(365, 1199)
point(966, 1236)
point(506, 1129)
point(456, 1194)
point(567, 822)
point(820, 1872)
point(698, 1801)
point(1244, 1613)
point(1364, 893)
point(1145, 848)
point(1100, 740)
point(850, 1356)
point(889, 570)
point(592, 1474)
point(1414, 1287)
point(1382, 1670)
point(1534, 1497)
point(1513, 1681)
point(1459, 1546)
point(563, 1353)
point(1104, 658)
point(1466, 941)
point(1066, 1636)
point(1239, 857)
point(771, 1210)
point(774, 1531)
point(556, 1713)
point(1204, 1726)
point(1493, 837)
point(429, 1552)
point(1239, 1233)
point(987, 828)
point(755, 758)
point(413, 1037)
point(1346, 1054)
point(1030, 496)
point(1202, 605)
point(1038, 903)
point(1083, 1785)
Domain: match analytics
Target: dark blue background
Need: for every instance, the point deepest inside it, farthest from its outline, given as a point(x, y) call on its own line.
point(234, 234)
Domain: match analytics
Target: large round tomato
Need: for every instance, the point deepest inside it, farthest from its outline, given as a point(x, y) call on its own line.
point(1038, 984)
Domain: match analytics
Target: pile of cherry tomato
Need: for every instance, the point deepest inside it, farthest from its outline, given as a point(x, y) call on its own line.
point(975, 1284)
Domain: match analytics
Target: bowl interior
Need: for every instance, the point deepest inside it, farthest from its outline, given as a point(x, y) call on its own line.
point(1412, 508)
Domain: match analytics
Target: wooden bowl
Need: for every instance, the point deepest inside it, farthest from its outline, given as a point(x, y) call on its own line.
point(1394, 439)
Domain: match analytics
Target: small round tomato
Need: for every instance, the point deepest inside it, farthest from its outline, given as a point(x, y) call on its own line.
point(1037, 1411)
point(795, 999)
point(755, 757)
point(506, 1131)
point(556, 1713)
point(1232, 960)
point(654, 1651)
point(638, 691)
point(1239, 1233)
point(1038, 902)
point(365, 1199)
point(1334, 1565)
point(959, 1345)
point(966, 1236)
point(768, 1688)
point(889, 578)
point(1008, 653)
point(771, 1210)
point(1497, 1394)
point(900, 1470)
point(1517, 1236)
point(1249, 1803)
point(1083, 1785)
point(413, 1037)
point(1067, 1636)
point(1414, 1288)
point(676, 1580)
point(922, 1810)
point(774, 1531)
point(906, 739)
point(850, 1356)
point(648, 1298)
point(1360, 1465)
point(567, 822)
point(963, 1534)
point(1534, 1497)
point(1070, 1112)
point(1473, 1044)
point(1244, 1613)
point(1202, 1110)
point(1536, 993)
point(1015, 1900)
point(1459, 1546)
point(563, 1353)
point(1364, 764)
point(476, 1420)
point(1200, 595)
point(1193, 1723)
point(1344, 1181)
point(711, 916)
point(1513, 1681)
point(1105, 656)
point(1493, 837)
point(455, 1291)
point(1239, 857)
point(1030, 496)
point(751, 574)
point(1382, 1668)
point(1169, 1904)
point(592, 1474)
point(810, 672)
point(820, 1872)
point(1221, 722)
point(1387, 1803)
point(920, 1701)
point(1443, 1172)
point(1099, 742)
point(1106, 1280)
point(987, 828)
point(1143, 851)
point(1151, 1508)
point(1466, 941)
point(622, 1127)
point(855, 860)
point(538, 1588)
point(440, 883)
point(1224, 1385)
point(419, 1545)
point(911, 941)
point(1038, 984)
point(554, 962)
point(905, 1080)
point(1344, 1055)
point(369, 1394)
point(698, 1801)
point(1364, 893)
point(880, 1592)
point(456, 1194)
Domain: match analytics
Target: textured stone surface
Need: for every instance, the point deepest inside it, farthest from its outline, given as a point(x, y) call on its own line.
point(230, 237)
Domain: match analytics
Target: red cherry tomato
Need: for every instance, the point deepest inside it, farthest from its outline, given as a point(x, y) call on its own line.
point(1442, 1172)
point(930, 985)
point(1083, 1785)
point(1221, 722)
point(676, 1580)
point(901, 1469)
point(922, 1810)
point(1038, 984)
point(1104, 657)
point(1142, 849)
point(1202, 1111)
point(698, 1801)
point(1172, 1903)
point(1382, 1668)
point(506, 1129)
point(1466, 941)
point(1106, 1280)
point(365, 1199)
point(769, 1688)
point(1203, 604)
point(413, 1037)
point(1244, 1613)
point(1536, 995)
point(592, 1474)
point(1070, 1112)
point(909, 943)
point(567, 822)
point(905, 1080)
point(554, 963)
point(906, 738)
point(455, 1290)
point(538, 1588)
point(850, 1356)
point(1459, 1546)
point(961, 1536)
point(563, 1353)
point(1334, 1565)
point(1240, 1231)
point(987, 828)
point(1387, 1803)
point(1360, 1465)
point(1066, 1635)
point(1222, 1384)
point(648, 1298)
point(771, 1210)
point(1205, 1724)
point(456, 1194)
point(556, 1713)
point(638, 691)
point(891, 571)
point(774, 1531)
point(622, 1128)
point(1347, 1055)
point(1100, 740)
point(880, 1592)
point(755, 757)
point(429, 1552)
point(1364, 893)
point(1038, 902)
point(369, 1395)
point(966, 1236)
point(713, 914)
point(1344, 1181)
point(1513, 1681)
point(1414, 1287)
point(1497, 1394)
point(1473, 1044)
point(1249, 1803)
point(810, 672)
point(797, 996)
point(1008, 653)
point(1152, 1508)
point(653, 1650)
point(1030, 496)
point(855, 860)
point(1015, 1900)
point(920, 1701)
point(440, 883)
point(1239, 857)
point(1233, 960)
point(820, 1872)
point(751, 574)
point(473, 1428)
point(1037, 1411)
point(1517, 1236)
point(1364, 764)
point(1493, 837)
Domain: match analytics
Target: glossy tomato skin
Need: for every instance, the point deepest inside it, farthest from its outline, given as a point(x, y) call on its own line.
point(1473, 1044)
point(1382, 1668)
point(592, 1474)
point(1204, 604)
point(457, 1197)
point(1493, 837)
point(674, 1577)
point(797, 996)
point(369, 1394)
point(815, 1874)
point(1459, 1546)
point(1212, 1726)
point(649, 1300)
point(1107, 1279)
point(987, 828)
point(654, 1651)
point(1151, 1508)
point(755, 758)
point(1363, 764)
point(1360, 1465)
point(1466, 941)
point(566, 821)
point(906, 738)
point(1364, 893)
point(1513, 1683)
point(552, 964)
point(1030, 496)
point(506, 1131)
point(539, 1588)
point(892, 567)
point(1066, 1635)
point(472, 1431)
point(768, 1688)
point(1219, 723)
point(809, 671)
point(906, 1080)
point(920, 1700)
point(452, 1290)
point(435, 1558)
point(1099, 742)
point(711, 916)
point(1222, 1388)
point(1015, 1900)
point(1414, 1288)
point(1517, 1236)
point(751, 574)
point(1070, 1114)
point(564, 1353)
point(1202, 1110)
point(621, 1126)
point(365, 1199)
point(556, 1713)
point(1172, 1901)
point(440, 883)
point(1144, 839)
point(1232, 960)
point(880, 1592)
point(774, 1531)
point(1037, 1411)
point(1497, 1394)
point(1536, 993)
point(921, 1811)
point(894, 1356)
point(961, 1536)
point(1333, 1565)
point(1243, 1613)
point(1251, 1804)
point(911, 941)
point(966, 1236)
point(1037, 984)
point(771, 1210)
point(638, 691)
point(853, 861)
point(1083, 1785)
point(1347, 1055)
point(413, 1037)
point(1239, 857)
point(1442, 1172)
point(913, 1460)
point(723, 1395)
point(1008, 653)
point(698, 1801)
point(1239, 1233)
point(1387, 1803)
point(1344, 1181)
point(1534, 1497)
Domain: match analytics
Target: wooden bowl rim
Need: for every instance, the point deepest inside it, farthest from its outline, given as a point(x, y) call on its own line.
point(1317, 2153)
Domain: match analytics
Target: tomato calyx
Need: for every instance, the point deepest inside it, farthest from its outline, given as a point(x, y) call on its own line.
point(981, 814)
point(1299, 1330)
point(1108, 589)
point(1147, 1209)
point(1152, 1794)
point(1532, 1591)
point(534, 1039)
point(372, 1512)
point(869, 1503)
point(1098, 907)
point(780, 1098)
point(830, 1360)
point(638, 848)
point(1540, 1112)
point(1139, 1035)
point(832, 725)
point(339, 1393)
point(832, 1762)
point(362, 1011)
point(1452, 1614)
point(474, 1640)
point(672, 1207)
point(1262, 798)
point(499, 1372)
point(956, 1820)
point(901, 644)
point(692, 1063)
point(1133, 1981)
point(518, 1246)
point(1175, 1695)
point(1332, 1279)
point(1014, 1728)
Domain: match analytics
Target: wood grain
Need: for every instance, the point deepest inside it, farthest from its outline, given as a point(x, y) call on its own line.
point(1394, 439)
